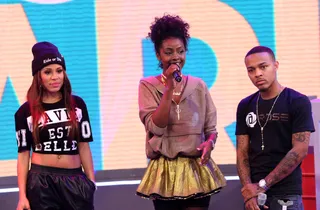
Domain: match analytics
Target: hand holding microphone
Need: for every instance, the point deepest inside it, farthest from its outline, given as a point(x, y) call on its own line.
point(257, 202)
point(262, 198)
point(176, 73)
point(172, 76)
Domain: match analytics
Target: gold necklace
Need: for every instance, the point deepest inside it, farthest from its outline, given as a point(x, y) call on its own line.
point(163, 81)
point(268, 116)
point(181, 88)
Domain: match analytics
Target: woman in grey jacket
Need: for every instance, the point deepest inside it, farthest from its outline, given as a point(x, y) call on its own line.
point(180, 122)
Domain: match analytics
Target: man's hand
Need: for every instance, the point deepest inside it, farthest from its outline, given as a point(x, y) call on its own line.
point(252, 204)
point(251, 190)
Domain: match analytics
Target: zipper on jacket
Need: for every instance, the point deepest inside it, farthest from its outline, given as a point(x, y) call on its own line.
point(178, 110)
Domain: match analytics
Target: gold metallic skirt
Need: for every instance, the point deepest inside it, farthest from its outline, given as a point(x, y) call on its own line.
point(180, 178)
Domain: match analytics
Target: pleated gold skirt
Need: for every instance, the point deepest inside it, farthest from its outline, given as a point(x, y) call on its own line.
point(180, 178)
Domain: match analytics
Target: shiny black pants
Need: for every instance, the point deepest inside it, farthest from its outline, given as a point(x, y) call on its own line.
point(50, 188)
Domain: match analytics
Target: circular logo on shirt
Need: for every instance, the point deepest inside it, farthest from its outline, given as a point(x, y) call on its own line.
point(251, 119)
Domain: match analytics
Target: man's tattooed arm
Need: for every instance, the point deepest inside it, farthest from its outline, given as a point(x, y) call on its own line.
point(243, 159)
point(300, 144)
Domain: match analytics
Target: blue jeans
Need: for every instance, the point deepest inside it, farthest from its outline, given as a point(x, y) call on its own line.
point(273, 202)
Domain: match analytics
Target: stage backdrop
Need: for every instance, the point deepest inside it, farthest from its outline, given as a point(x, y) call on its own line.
point(106, 51)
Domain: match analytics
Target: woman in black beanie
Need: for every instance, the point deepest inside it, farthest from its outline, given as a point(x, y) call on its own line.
point(59, 139)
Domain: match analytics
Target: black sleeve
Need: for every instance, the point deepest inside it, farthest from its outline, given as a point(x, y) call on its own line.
point(23, 133)
point(84, 121)
point(241, 126)
point(302, 115)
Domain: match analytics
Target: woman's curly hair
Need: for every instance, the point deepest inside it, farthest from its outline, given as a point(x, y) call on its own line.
point(166, 27)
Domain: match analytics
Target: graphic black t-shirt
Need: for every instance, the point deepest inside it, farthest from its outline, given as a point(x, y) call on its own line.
point(291, 114)
point(54, 133)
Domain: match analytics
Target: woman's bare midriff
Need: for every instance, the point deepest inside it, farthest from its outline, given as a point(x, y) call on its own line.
point(58, 161)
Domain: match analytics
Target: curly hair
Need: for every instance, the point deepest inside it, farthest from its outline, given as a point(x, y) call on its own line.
point(166, 27)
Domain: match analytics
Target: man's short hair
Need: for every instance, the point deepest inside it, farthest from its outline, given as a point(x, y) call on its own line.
point(260, 49)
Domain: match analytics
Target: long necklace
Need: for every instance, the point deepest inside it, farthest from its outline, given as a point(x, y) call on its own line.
point(163, 81)
point(268, 116)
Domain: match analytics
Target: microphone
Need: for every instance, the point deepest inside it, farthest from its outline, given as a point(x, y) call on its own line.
point(262, 198)
point(176, 74)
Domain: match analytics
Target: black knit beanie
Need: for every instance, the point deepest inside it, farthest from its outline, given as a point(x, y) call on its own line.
point(44, 54)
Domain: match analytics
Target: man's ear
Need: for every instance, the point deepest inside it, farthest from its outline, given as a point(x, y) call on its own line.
point(276, 65)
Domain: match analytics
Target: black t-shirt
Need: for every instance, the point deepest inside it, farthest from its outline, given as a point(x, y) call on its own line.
point(54, 133)
point(291, 114)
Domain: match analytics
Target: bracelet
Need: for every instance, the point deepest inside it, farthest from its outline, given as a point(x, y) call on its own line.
point(163, 79)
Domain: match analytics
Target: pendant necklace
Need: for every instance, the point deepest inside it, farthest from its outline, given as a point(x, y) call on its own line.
point(163, 81)
point(268, 116)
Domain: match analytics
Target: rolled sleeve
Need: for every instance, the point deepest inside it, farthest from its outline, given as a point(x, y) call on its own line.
point(147, 106)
